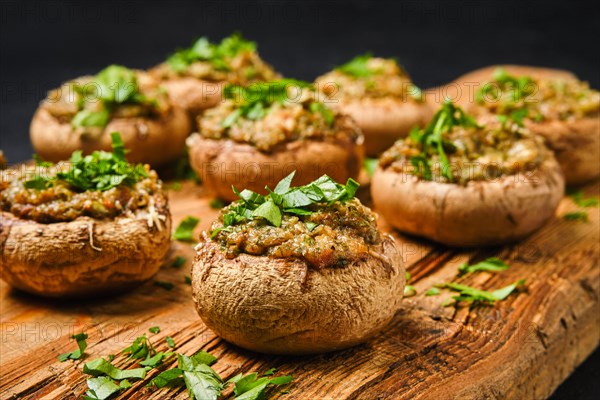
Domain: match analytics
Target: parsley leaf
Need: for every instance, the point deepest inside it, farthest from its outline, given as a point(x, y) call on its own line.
point(472, 295)
point(218, 55)
point(358, 67)
point(576, 216)
point(581, 201)
point(76, 354)
point(101, 388)
point(251, 387)
point(154, 329)
point(432, 141)
point(100, 366)
point(370, 165)
point(164, 284)
point(185, 229)
point(140, 348)
point(492, 264)
point(286, 200)
point(432, 292)
point(178, 262)
point(98, 171)
point(170, 341)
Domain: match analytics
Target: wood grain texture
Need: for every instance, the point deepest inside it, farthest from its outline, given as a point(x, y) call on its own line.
point(523, 347)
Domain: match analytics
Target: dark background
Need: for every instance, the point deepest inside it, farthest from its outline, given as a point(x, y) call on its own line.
point(45, 43)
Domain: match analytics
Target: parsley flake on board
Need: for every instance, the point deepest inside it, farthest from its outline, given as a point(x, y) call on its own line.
point(76, 354)
point(477, 296)
point(185, 229)
point(576, 216)
point(154, 329)
point(579, 198)
point(491, 264)
point(99, 171)
point(431, 139)
point(285, 199)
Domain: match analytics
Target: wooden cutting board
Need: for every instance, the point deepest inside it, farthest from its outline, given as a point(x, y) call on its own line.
point(521, 348)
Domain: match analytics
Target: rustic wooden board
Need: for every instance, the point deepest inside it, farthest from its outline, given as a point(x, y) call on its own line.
point(523, 347)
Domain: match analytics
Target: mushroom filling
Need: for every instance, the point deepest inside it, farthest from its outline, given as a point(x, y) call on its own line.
point(368, 77)
point(268, 114)
point(320, 223)
point(331, 236)
point(100, 186)
point(455, 149)
point(234, 60)
point(90, 102)
point(541, 99)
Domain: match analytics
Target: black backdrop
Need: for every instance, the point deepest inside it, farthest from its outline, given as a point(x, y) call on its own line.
point(45, 43)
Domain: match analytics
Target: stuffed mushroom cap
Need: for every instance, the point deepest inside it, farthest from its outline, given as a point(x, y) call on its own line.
point(81, 115)
point(318, 278)
point(196, 76)
point(464, 184)
point(379, 95)
point(552, 103)
point(265, 131)
point(72, 230)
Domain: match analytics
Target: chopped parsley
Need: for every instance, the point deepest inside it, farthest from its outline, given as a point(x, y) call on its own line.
point(576, 216)
point(101, 388)
point(579, 198)
point(185, 229)
point(187, 279)
point(358, 67)
point(113, 86)
point(170, 341)
point(285, 199)
point(510, 93)
point(218, 55)
point(477, 296)
point(431, 139)
point(255, 99)
point(99, 171)
point(178, 262)
point(409, 290)
point(100, 366)
point(164, 284)
point(432, 292)
point(81, 346)
point(370, 165)
point(216, 204)
point(491, 264)
point(154, 329)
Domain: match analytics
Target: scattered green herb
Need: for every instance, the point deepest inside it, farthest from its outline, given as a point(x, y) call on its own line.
point(370, 165)
point(170, 341)
point(285, 199)
point(576, 216)
point(140, 348)
point(218, 55)
point(154, 329)
point(185, 229)
point(491, 264)
point(432, 292)
point(217, 204)
point(164, 284)
point(178, 262)
point(579, 198)
point(98, 171)
point(358, 67)
point(251, 387)
point(476, 296)
point(431, 139)
point(76, 354)
point(255, 99)
point(187, 280)
point(100, 367)
point(101, 388)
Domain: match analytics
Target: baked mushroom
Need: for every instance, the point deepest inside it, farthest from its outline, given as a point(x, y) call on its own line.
point(82, 113)
point(552, 103)
point(301, 270)
point(94, 225)
point(264, 131)
point(195, 76)
point(464, 184)
point(379, 95)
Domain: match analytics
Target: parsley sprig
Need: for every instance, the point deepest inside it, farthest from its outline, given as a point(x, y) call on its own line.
point(98, 171)
point(358, 67)
point(432, 140)
point(477, 296)
point(113, 86)
point(285, 199)
point(218, 55)
point(510, 93)
point(253, 101)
